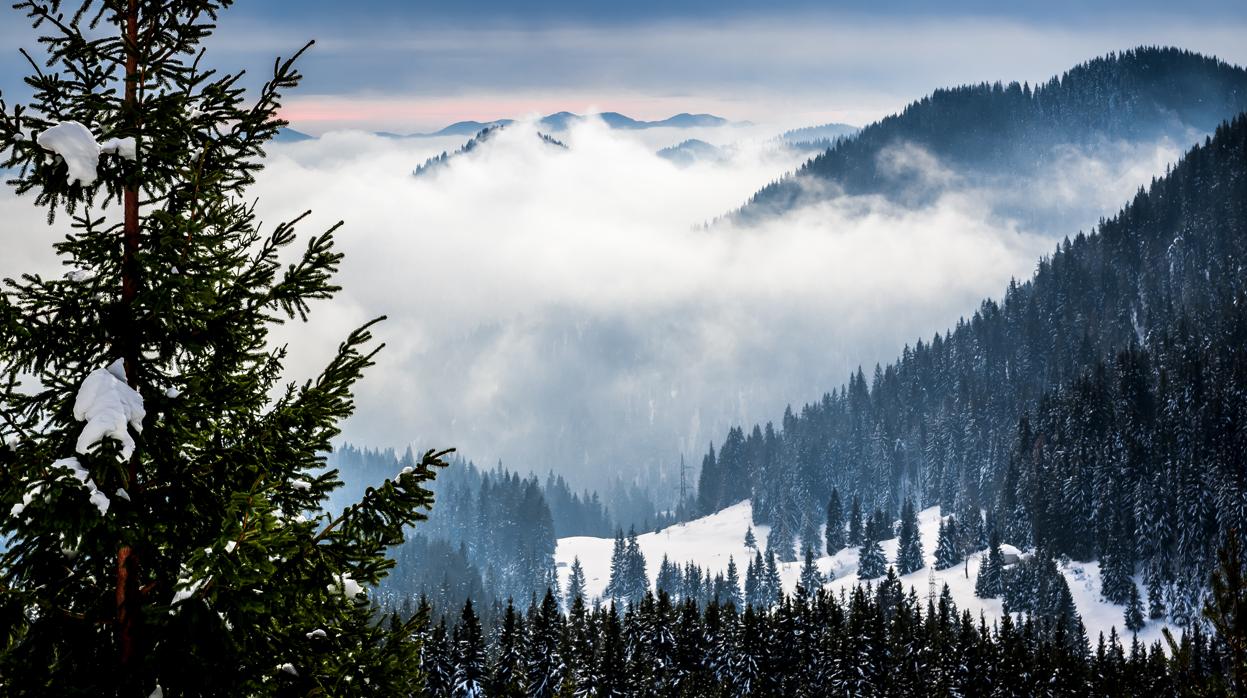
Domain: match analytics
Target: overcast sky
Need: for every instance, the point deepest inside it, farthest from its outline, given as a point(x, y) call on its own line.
point(410, 66)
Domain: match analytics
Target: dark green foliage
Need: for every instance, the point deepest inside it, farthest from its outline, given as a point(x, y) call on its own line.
point(811, 578)
point(575, 584)
point(871, 563)
point(214, 570)
point(1133, 614)
point(469, 656)
point(751, 541)
point(909, 545)
point(874, 640)
point(947, 549)
point(834, 531)
point(990, 582)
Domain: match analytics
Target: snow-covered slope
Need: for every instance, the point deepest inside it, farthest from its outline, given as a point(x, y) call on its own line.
point(710, 541)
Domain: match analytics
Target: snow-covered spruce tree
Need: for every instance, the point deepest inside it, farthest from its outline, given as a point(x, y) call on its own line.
point(154, 491)
point(909, 547)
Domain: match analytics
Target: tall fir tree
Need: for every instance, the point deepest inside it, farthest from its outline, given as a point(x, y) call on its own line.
point(856, 530)
point(575, 583)
point(732, 582)
point(948, 547)
point(990, 582)
point(469, 656)
point(811, 578)
point(833, 531)
point(751, 541)
point(909, 547)
point(157, 488)
point(871, 564)
point(1133, 615)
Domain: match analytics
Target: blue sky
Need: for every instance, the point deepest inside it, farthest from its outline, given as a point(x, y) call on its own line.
point(407, 66)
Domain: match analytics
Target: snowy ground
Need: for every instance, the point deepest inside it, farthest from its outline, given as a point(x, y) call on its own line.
point(710, 541)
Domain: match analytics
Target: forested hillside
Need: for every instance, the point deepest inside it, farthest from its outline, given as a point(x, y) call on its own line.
point(988, 130)
point(1098, 411)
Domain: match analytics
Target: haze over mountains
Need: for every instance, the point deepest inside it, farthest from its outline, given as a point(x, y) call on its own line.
point(635, 337)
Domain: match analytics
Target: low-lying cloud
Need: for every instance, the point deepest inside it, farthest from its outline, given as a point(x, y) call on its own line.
point(567, 309)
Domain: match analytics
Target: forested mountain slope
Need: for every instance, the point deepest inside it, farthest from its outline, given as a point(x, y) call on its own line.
point(1098, 411)
point(988, 131)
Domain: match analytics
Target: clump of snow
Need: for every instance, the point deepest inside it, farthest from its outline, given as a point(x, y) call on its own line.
point(11, 441)
point(347, 586)
point(230, 545)
point(158, 693)
point(288, 668)
point(121, 493)
point(406, 471)
point(78, 275)
point(189, 589)
point(107, 404)
point(317, 634)
point(125, 147)
point(79, 473)
point(27, 498)
point(301, 484)
point(173, 393)
point(75, 144)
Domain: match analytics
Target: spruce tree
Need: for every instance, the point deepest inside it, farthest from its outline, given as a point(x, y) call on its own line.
point(617, 583)
point(733, 585)
point(871, 562)
point(575, 583)
point(1134, 610)
point(543, 662)
point(751, 542)
point(834, 531)
point(158, 493)
point(990, 581)
point(753, 580)
point(772, 589)
point(811, 578)
point(856, 532)
point(780, 540)
point(948, 549)
point(469, 659)
point(507, 676)
point(909, 549)
point(1155, 597)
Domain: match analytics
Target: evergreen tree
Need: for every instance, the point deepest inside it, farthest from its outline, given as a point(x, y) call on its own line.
point(780, 541)
point(1155, 597)
point(180, 497)
point(469, 659)
point(947, 549)
point(507, 676)
point(753, 580)
point(636, 580)
point(732, 583)
point(617, 584)
point(834, 531)
point(771, 588)
point(990, 581)
point(543, 662)
point(871, 562)
point(575, 583)
point(909, 549)
point(1134, 611)
point(856, 531)
point(751, 542)
point(811, 577)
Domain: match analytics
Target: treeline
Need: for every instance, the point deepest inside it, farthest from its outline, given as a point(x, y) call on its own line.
point(876, 640)
point(990, 129)
point(1098, 411)
point(492, 534)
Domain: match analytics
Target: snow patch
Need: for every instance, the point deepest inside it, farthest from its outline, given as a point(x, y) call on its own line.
point(79, 473)
point(75, 144)
point(107, 404)
point(346, 586)
point(711, 540)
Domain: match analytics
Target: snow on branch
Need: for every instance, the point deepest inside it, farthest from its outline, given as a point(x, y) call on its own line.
point(75, 144)
point(108, 404)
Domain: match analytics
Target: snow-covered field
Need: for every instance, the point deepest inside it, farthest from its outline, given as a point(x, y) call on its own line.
point(710, 541)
